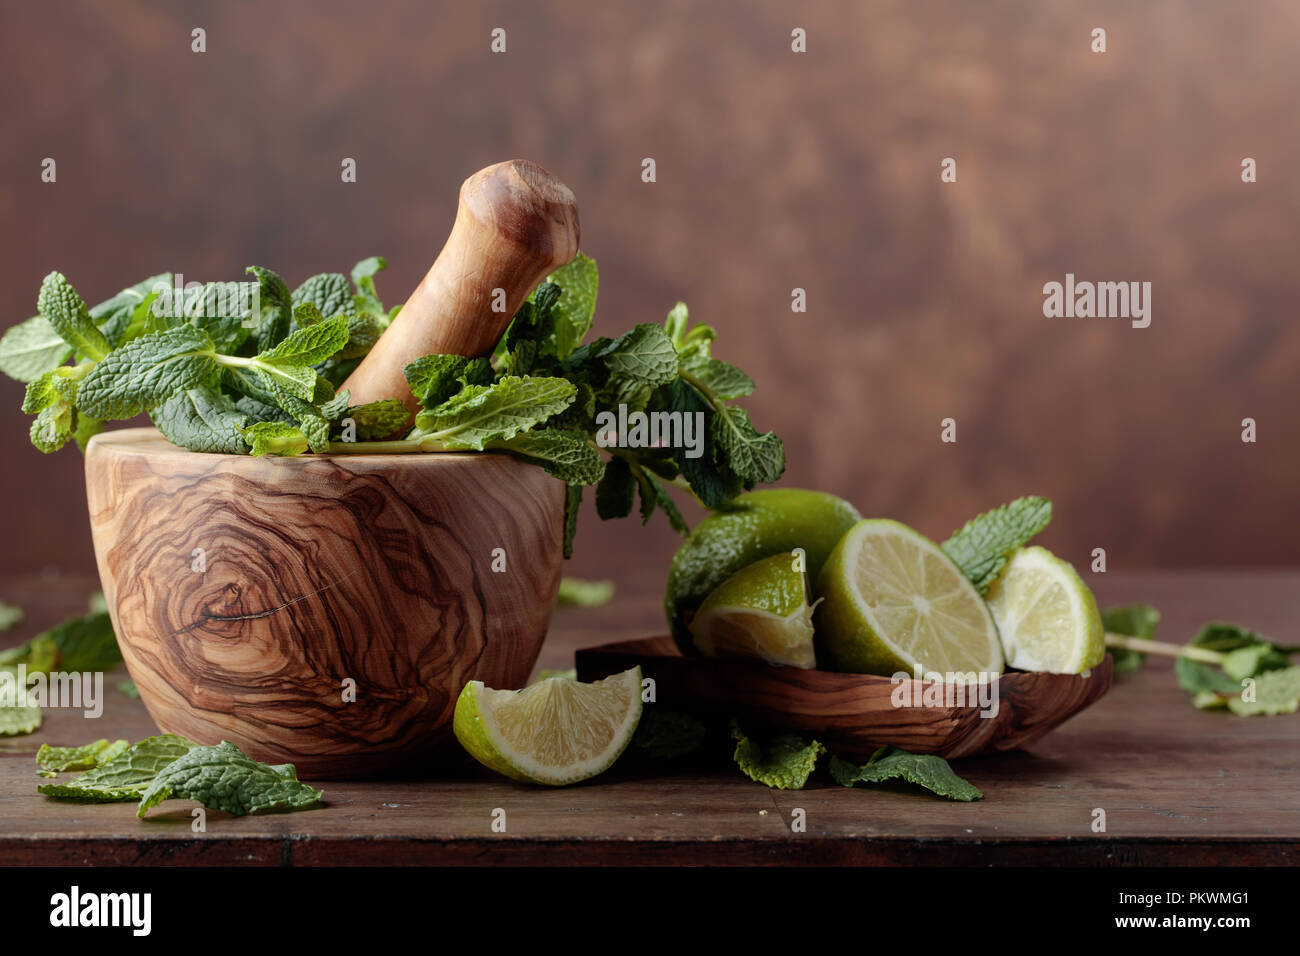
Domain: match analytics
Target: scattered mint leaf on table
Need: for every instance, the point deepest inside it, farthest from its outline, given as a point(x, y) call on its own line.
point(127, 775)
point(1276, 692)
point(668, 734)
point(19, 719)
point(575, 592)
point(1132, 620)
point(62, 759)
point(225, 778)
point(982, 547)
point(785, 762)
point(923, 770)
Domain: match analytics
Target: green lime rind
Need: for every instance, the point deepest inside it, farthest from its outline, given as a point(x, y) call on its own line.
point(758, 525)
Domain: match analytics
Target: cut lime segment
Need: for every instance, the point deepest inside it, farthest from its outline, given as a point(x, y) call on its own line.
point(761, 613)
point(893, 601)
point(754, 526)
point(554, 732)
point(1046, 615)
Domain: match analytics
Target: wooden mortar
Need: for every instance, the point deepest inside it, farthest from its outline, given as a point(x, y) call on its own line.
point(326, 610)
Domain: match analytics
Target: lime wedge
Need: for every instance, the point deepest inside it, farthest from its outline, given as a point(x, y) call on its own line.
point(1046, 615)
point(753, 526)
point(893, 601)
point(554, 732)
point(761, 612)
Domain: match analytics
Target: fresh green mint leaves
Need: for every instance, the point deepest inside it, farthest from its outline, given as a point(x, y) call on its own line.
point(168, 767)
point(222, 372)
point(923, 770)
point(983, 546)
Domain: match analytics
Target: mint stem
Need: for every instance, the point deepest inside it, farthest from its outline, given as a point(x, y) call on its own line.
point(1144, 646)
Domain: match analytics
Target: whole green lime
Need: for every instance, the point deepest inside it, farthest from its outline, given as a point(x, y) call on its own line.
point(757, 525)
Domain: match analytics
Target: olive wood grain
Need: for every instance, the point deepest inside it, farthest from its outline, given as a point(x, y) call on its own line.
point(515, 224)
point(852, 714)
point(315, 571)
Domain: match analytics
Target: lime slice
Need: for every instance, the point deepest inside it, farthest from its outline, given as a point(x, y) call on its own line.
point(755, 525)
point(893, 601)
point(554, 732)
point(760, 612)
point(1046, 615)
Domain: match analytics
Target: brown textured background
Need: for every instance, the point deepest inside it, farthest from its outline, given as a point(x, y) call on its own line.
point(775, 170)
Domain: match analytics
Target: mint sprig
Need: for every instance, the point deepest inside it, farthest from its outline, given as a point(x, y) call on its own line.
point(263, 382)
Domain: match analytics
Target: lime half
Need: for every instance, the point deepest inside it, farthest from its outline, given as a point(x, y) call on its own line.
point(1046, 615)
point(761, 612)
point(554, 732)
point(893, 601)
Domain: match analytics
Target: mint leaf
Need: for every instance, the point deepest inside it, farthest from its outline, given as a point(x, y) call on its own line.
point(67, 314)
point(86, 644)
point(363, 276)
point(1253, 660)
point(298, 381)
point(19, 719)
point(126, 776)
point(125, 315)
point(754, 458)
point(435, 378)
point(32, 348)
point(1132, 620)
point(982, 547)
point(146, 372)
point(712, 481)
point(1197, 677)
point(720, 378)
point(675, 324)
point(202, 419)
point(1276, 692)
point(654, 495)
point(62, 759)
point(644, 356)
point(667, 734)
point(572, 501)
point(616, 492)
point(329, 292)
point(53, 427)
point(10, 614)
point(480, 414)
point(310, 344)
point(785, 763)
point(566, 455)
point(275, 308)
point(574, 311)
point(575, 592)
point(377, 419)
point(364, 330)
point(275, 438)
point(225, 778)
point(923, 770)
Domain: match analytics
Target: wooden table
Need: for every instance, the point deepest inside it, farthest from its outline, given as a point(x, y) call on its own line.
point(1179, 786)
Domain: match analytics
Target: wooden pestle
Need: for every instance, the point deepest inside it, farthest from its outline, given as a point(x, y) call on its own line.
point(516, 223)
